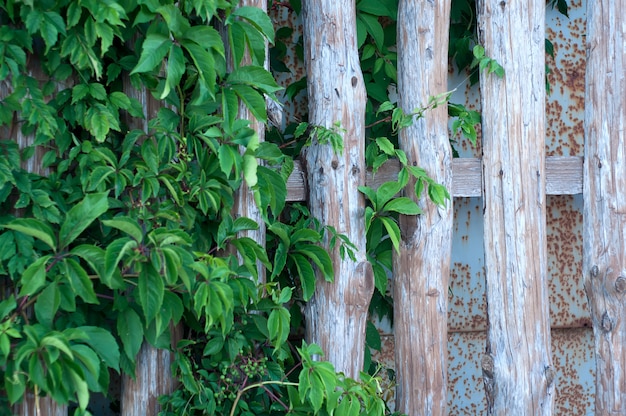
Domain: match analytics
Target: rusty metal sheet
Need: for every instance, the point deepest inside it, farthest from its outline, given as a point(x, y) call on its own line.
point(568, 302)
point(466, 297)
point(466, 395)
point(573, 358)
point(566, 103)
point(572, 354)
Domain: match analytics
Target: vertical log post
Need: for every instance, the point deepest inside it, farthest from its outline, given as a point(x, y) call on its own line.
point(336, 316)
point(604, 187)
point(31, 405)
point(153, 375)
point(421, 269)
point(517, 369)
point(244, 205)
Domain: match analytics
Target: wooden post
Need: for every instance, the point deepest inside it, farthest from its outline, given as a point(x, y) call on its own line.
point(336, 316)
point(604, 190)
point(153, 375)
point(244, 205)
point(31, 405)
point(517, 369)
point(421, 269)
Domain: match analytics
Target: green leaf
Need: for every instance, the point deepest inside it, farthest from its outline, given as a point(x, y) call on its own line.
point(104, 344)
point(153, 52)
point(374, 29)
point(114, 253)
point(35, 228)
point(386, 146)
point(278, 325)
point(250, 167)
point(175, 69)
point(130, 331)
point(79, 280)
point(438, 194)
point(306, 274)
point(254, 101)
point(47, 305)
point(228, 157)
point(403, 205)
point(95, 256)
point(127, 225)
point(385, 192)
point(7, 306)
point(372, 336)
point(321, 258)
point(151, 288)
point(81, 389)
point(258, 18)
point(393, 230)
point(254, 76)
point(34, 277)
point(80, 216)
point(370, 194)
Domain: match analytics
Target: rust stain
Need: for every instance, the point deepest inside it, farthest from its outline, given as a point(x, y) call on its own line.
point(565, 105)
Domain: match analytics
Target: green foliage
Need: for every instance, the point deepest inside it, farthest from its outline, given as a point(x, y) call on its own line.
point(128, 227)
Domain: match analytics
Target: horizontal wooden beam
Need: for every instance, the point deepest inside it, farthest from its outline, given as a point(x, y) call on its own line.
point(564, 176)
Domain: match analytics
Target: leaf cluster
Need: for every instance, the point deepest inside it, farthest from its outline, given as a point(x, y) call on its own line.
point(126, 227)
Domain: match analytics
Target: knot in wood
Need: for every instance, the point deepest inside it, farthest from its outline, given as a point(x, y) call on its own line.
point(354, 81)
point(334, 164)
point(607, 322)
point(620, 284)
point(594, 271)
point(550, 375)
point(487, 366)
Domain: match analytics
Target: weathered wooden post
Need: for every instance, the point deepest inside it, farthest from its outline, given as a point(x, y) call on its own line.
point(604, 192)
point(337, 313)
point(517, 368)
point(31, 405)
point(421, 269)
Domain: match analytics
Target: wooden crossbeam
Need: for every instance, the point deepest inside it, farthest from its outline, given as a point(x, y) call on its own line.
point(564, 176)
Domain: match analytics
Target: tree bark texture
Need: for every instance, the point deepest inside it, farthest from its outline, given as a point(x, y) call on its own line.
point(421, 268)
point(153, 378)
point(336, 316)
point(604, 186)
point(517, 368)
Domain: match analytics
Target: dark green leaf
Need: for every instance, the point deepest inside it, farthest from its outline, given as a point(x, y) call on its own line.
point(403, 205)
point(35, 228)
point(306, 274)
point(258, 18)
point(34, 277)
point(153, 52)
point(104, 344)
point(278, 326)
point(393, 230)
point(80, 216)
point(130, 330)
point(47, 304)
point(127, 225)
point(79, 280)
point(151, 288)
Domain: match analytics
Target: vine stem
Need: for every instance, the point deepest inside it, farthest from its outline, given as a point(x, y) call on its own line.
point(255, 385)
